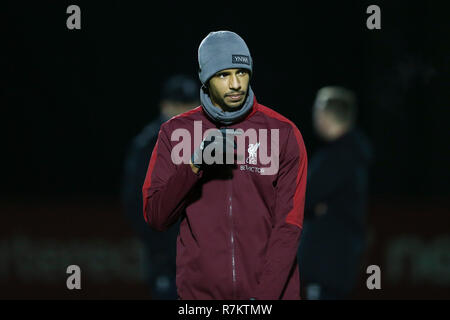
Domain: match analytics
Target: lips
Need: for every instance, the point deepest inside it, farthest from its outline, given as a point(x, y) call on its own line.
point(235, 97)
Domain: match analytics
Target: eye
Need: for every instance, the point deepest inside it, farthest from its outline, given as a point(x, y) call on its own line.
point(242, 72)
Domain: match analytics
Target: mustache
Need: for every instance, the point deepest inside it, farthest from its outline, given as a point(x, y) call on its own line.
point(234, 93)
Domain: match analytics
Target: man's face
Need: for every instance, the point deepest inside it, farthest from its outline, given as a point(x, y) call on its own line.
point(228, 88)
point(321, 121)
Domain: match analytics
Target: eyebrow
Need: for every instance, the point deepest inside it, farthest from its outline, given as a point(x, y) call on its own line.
point(228, 72)
point(222, 72)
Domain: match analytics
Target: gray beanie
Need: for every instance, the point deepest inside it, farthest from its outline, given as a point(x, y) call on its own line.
point(222, 50)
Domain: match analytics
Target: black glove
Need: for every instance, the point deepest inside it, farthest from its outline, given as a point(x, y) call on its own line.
point(217, 143)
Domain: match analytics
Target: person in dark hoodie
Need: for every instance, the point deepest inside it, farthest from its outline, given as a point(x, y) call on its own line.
point(179, 94)
point(333, 239)
point(241, 220)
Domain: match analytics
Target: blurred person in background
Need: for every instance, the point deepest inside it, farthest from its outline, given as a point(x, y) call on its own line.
point(179, 94)
point(333, 240)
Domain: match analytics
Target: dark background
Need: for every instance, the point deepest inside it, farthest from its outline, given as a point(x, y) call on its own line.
point(71, 100)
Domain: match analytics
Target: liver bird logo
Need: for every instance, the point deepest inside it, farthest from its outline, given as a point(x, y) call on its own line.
point(252, 149)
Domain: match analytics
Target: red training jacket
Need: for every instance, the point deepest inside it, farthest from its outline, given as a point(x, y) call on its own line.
point(240, 230)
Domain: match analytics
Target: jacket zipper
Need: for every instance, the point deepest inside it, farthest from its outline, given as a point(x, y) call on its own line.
point(233, 258)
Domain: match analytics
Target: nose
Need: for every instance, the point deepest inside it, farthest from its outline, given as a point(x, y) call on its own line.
point(234, 84)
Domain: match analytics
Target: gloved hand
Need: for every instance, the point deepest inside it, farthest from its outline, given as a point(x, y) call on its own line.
point(215, 146)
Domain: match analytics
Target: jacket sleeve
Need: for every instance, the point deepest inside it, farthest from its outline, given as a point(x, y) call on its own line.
point(285, 237)
point(166, 186)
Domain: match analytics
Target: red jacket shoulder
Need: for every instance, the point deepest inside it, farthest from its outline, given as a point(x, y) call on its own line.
point(275, 115)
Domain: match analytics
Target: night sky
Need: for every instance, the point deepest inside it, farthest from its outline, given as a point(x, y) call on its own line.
point(71, 100)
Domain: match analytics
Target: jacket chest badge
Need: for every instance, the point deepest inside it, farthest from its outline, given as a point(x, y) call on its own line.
point(252, 159)
point(252, 153)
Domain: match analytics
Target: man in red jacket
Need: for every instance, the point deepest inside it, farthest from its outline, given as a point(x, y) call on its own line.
point(241, 218)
